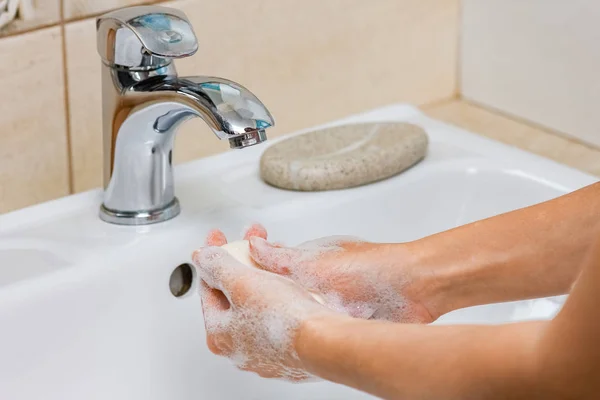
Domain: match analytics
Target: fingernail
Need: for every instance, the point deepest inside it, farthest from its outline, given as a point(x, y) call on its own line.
point(196, 256)
point(255, 229)
point(258, 243)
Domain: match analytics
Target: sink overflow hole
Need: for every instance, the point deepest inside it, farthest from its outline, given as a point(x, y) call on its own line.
point(181, 280)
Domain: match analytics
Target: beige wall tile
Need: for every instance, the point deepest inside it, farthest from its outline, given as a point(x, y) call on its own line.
point(33, 143)
point(82, 8)
point(535, 59)
point(46, 12)
point(309, 61)
point(313, 61)
point(84, 90)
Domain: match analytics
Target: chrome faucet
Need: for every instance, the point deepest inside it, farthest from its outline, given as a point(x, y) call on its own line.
point(144, 102)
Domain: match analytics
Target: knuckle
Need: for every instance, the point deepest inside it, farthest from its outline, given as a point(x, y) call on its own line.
point(212, 345)
point(239, 290)
point(208, 259)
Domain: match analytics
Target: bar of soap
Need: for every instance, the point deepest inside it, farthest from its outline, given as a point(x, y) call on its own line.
point(240, 250)
point(343, 156)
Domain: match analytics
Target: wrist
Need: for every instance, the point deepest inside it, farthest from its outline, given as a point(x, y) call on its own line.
point(431, 278)
point(318, 340)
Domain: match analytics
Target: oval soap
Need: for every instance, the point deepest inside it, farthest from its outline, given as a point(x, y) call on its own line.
point(240, 250)
point(343, 156)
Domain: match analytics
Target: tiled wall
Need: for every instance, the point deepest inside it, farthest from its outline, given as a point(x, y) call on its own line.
point(309, 61)
point(535, 59)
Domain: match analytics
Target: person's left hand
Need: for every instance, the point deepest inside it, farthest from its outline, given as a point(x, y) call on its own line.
point(252, 316)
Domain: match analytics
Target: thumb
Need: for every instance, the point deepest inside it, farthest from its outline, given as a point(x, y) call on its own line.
point(276, 259)
point(219, 269)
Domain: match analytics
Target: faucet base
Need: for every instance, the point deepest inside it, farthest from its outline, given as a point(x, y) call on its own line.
point(140, 217)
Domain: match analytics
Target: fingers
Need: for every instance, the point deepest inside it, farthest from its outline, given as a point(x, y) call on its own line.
point(213, 299)
point(216, 238)
point(216, 309)
point(277, 259)
point(255, 230)
point(338, 241)
point(271, 371)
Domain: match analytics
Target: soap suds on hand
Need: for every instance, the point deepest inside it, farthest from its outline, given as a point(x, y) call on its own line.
point(349, 285)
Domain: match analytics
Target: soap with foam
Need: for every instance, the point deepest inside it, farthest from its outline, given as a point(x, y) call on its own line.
point(240, 250)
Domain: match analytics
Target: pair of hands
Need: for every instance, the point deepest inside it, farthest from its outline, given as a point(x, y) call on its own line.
point(253, 316)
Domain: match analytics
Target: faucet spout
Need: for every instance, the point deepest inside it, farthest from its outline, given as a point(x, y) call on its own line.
point(229, 109)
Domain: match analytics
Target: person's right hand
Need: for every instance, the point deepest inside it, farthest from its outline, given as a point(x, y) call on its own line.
point(362, 279)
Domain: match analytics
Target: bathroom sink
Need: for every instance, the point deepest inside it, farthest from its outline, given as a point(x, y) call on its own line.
point(87, 308)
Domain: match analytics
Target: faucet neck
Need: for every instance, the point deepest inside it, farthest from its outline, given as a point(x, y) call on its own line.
point(140, 189)
point(143, 106)
point(144, 102)
point(142, 114)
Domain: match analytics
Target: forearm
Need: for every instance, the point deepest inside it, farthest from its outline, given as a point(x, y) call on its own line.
point(570, 347)
point(547, 360)
point(423, 362)
point(532, 252)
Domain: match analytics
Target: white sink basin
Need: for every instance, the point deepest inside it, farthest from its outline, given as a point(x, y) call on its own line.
point(85, 306)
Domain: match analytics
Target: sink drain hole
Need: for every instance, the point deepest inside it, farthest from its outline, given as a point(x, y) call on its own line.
point(181, 280)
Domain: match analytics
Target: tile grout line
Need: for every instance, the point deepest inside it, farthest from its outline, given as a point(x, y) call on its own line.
point(98, 13)
point(63, 21)
point(66, 99)
point(438, 102)
point(29, 30)
point(459, 50)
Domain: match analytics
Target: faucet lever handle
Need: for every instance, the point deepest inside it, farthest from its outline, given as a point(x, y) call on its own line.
point(144, 37)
